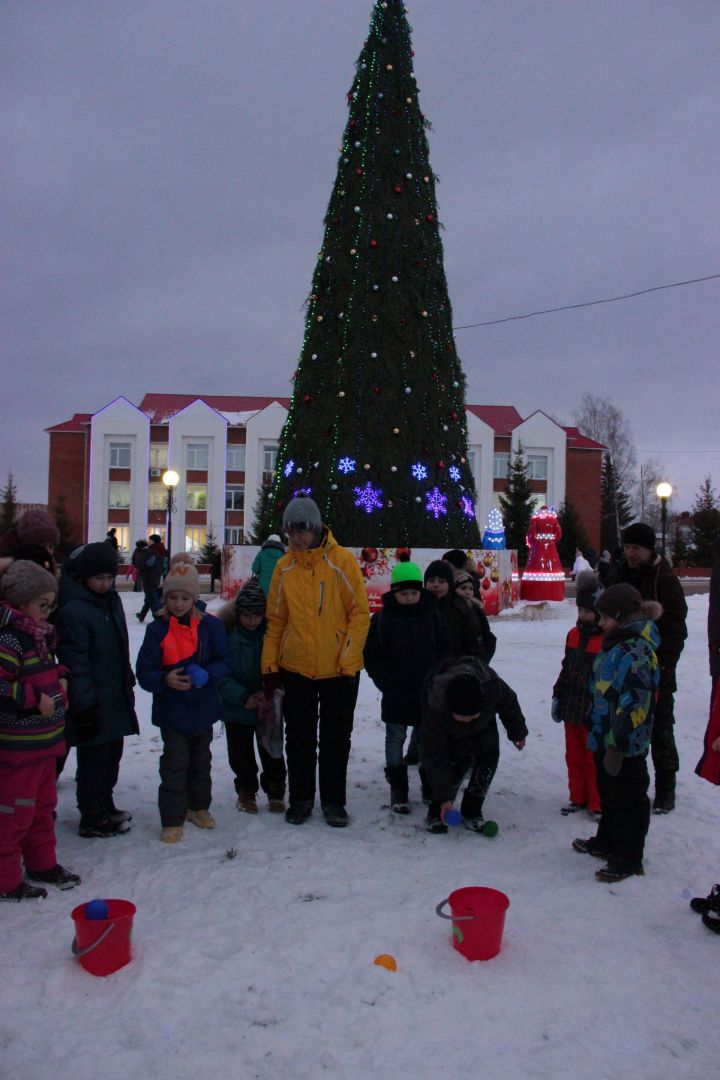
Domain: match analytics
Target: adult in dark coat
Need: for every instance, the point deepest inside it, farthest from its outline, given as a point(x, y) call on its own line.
point(93, 643)
point(462, 697)
point(151, 569)
point(654, 579)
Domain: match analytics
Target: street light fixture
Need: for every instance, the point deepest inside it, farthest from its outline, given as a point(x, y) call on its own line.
point(171, 480)
point(663, 491)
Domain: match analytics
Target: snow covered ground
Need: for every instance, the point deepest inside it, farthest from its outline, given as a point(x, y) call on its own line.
point(260, 967)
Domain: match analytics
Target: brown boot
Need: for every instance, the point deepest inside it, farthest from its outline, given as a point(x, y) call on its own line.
point(276, 804)
point(246, 802)
point(202, 818)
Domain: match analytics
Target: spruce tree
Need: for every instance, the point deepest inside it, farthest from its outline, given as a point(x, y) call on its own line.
point(376, 432)
point(517, 505)
point(573, 533)
point(615, 511)
point(209, 549)
point(259, 530)
point(705, 525)
point(8, 505)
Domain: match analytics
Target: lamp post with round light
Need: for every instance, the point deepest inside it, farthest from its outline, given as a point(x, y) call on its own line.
point(663, 491)
point(171, 480)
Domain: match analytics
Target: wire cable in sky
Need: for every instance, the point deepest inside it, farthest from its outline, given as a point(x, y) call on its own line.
point(589, 303)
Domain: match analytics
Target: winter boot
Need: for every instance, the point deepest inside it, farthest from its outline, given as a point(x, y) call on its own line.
point(572, 808)
point(397, 778)
point(433, 822)
point(246, 801)
point(589, 847)
point(471, 808)
point(336, 816)
point(711, 922)
point(171, 834)
point(100, 824)
point(276, 798)
point(114, 813)
point(711, 902)
point(57, 875)
point(23, 891)
point(297, 813)
point(664, 801)
point(618, 871)
point(202, 818)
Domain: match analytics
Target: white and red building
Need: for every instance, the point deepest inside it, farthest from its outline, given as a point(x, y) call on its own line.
point(108, 465)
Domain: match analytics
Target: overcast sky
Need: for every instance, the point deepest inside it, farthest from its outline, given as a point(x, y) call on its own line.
point(166, 167)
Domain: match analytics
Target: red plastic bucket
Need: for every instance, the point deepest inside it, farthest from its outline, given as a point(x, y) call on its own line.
point(103, 945)
point(478, 921)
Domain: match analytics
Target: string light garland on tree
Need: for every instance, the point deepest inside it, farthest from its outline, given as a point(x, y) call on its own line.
point(378, 358)
point(494, 535)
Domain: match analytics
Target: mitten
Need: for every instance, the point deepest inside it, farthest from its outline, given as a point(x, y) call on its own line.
point(612, 762)
point(87, 725)
point(198, 675)
point(271, 683)
point(555, 711)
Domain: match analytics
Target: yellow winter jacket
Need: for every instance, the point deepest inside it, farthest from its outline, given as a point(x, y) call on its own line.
point(317, 613)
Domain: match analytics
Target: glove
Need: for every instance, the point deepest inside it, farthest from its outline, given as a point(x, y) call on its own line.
point(271, 683)
point(198, 675)
point(612, 762)
point(87, 725)
point(555, 711)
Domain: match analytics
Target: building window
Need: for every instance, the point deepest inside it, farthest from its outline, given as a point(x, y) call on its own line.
point(196, 497)
point(235, 497)
point(501, 466)
point(236, 458)
point(157, 497)
point(198, 456)
point(118, 495)
point(270, 453)
point(195, 539)
point(157, 530)
point(234, 535)
point(158, 456)
point(122, 535)
point(537, 466)
point(119, 455)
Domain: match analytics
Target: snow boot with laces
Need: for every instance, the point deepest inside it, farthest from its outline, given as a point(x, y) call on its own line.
point(397, 778)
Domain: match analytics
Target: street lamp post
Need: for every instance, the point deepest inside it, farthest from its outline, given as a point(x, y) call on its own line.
point(170, 480)
point(663, 491)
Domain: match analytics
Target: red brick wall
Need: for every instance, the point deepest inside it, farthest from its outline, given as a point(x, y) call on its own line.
point(582, 489)
point(66, 476)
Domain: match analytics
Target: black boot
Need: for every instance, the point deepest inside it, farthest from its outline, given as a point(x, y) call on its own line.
point(397, 778)
point(664, 800)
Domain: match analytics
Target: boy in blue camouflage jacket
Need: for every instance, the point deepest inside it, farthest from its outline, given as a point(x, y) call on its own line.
point(624, 685)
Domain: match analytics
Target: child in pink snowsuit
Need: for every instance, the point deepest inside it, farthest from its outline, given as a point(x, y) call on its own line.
point(32, 733)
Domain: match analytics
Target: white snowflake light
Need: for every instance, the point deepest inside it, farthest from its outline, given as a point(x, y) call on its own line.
point(346, 465)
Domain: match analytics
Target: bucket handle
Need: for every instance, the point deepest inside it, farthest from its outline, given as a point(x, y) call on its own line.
point(455, 918)
point(89, 948)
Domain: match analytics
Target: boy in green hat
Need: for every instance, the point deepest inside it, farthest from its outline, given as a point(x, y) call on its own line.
point(407, 637)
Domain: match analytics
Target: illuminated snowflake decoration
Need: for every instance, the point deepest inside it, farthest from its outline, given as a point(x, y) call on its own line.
point(419, 471)
point(289, 467)
point(454, 473)
point(368, 497)
point(467, 507)
point(346, 465)
point(436, 502)
point(301, 493)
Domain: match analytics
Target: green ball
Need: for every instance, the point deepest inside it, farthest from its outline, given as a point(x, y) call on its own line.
point(490, 828)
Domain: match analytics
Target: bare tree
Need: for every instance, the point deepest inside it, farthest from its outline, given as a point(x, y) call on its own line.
point(647, 503)
point(601, 420)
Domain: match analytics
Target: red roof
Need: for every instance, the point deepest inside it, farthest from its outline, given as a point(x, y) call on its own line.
point(501, 418)
point(162, 407)
point(578, 441)
point(78, 423)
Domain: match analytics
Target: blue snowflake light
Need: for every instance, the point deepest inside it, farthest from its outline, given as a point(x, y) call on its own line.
point(436, 502)
point(454, 473)
point(289, 467)
point(346, 465)
point(368, 497)
point(419, 471)
point(466, 506)
point(300, 493)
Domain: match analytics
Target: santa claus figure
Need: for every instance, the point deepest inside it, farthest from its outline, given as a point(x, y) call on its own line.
point(543, 577)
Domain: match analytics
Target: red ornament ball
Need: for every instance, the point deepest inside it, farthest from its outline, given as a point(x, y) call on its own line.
point(373, 243)
point(376, 389)
point(358, 171)
point(307, 397)
point(453, 415)
point(441, 464)
point(486, 583)
point(398, 189)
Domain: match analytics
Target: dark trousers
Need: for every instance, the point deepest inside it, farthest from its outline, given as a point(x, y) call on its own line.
point(483, 765)
point(184, 775)
point(152, 601)
point(625, 811)
point(241, 755)
point(335, 699)
point(97, 773)
point(662, 744)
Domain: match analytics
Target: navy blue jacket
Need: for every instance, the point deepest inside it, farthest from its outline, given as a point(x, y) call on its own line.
point(189, 711)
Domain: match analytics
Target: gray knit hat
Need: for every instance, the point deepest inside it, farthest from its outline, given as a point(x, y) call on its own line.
point(250, 600)
point(24, 581)
point(302, 513)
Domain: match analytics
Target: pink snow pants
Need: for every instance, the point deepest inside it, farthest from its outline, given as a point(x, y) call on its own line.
point(28, 796)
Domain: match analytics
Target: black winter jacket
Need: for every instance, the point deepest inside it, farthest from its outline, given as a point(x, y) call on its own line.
point(445, 740)
point(572, 689)
point(404, 642)
point(469, 627)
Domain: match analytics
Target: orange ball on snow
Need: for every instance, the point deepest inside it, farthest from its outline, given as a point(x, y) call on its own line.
point(387, 961)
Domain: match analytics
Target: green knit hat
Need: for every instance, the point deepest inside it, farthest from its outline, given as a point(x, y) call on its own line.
point(406, 575)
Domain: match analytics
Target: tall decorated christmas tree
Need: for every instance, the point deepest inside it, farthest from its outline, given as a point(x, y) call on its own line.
point(376, 432)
